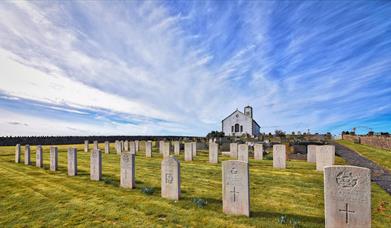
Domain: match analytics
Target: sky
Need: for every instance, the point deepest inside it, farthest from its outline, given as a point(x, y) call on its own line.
point(180, 67)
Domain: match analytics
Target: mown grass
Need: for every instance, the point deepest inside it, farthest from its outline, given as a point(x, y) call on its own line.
point(31, 196)
point(380, 156)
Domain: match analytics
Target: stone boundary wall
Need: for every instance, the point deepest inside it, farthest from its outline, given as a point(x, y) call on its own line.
point(64, 140)
point(383, 142)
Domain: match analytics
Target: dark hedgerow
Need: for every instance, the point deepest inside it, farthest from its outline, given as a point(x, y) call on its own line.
point(200, 202)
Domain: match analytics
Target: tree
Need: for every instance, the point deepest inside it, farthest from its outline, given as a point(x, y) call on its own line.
point(215, 134)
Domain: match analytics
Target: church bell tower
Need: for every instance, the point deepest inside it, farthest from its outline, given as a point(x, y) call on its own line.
point(248, 111)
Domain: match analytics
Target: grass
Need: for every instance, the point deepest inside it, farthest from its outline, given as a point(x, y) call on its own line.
point(31, 196)
point(380, 156)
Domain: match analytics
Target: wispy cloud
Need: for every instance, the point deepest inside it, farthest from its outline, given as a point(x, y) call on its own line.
point(180, 67)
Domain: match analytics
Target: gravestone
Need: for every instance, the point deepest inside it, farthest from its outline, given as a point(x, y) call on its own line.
point(126, 145)
point(171, 178)
point(53, 158)
point(119, 147)
point(127, 170)
point(176, 147)
point(194, 149)
point(325, 156)
point(107, 147)
point(148, 149)
point(17, 153)
point(96, 145)
point(311, 153)
point(27, 158)
point(132, 147)
point(96, 165)
point(166, 149)
point(86, 146)
point(258, 151)
point(213, 153)
point(347, 194)
point(122, 144)
point(136, 143)
point(72, 161)
point(233, 149)
point(39, 157)
point(279, 156)
point(243, 152)
point(188, 151)
point(161, 143)
point(236, 191)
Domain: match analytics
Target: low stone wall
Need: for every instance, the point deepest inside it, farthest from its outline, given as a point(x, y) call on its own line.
point(383, 142)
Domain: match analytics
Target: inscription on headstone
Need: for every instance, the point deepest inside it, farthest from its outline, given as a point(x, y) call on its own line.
point(72, 161)
point(27, 155)
point(236, 191)
point(128, 170)
point(170, 178)
point(53, 158)
point(347, 191)
point(188, 151)
point(17, 153)
point(233, 149)
point(325, 156)
point(243, 152)
point(258, 151)
point(213, 152)
point(96, 165)
point(39, 157)
point(279, 156)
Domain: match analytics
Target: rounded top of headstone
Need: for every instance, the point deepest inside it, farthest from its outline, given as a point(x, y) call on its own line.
point(346, 167)
point(170, 160)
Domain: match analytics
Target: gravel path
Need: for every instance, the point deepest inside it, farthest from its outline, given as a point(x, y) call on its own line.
point(379, 175)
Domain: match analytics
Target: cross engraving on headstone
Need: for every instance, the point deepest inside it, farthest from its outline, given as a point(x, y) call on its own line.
point(346, 210)
point(234, 194)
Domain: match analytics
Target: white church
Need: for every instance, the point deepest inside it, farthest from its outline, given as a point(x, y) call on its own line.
point(239, 123)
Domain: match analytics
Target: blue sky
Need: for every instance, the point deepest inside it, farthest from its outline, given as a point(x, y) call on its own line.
point(180, 67)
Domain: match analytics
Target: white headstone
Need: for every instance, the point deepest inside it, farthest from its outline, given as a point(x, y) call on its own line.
point(96, 145)
point(166, 149)
point(126, 145)
point(53, 158)
point(136, 143)
point(86, 146)
point(188, 151)
point(279, 156)
point(233, 149)
point(236, 191)
point(161, 143)
point(171, 178)
point(347, 194)
point(176, 147)
point(258, 151)
point(96, 165)
point(107, 147)
point(325, 156)
point(148, 149)
point(311, 153)
point(132, 147)
point(243, 152)
point(72, 161)
point(39, 157)
point(17, 153)
point(27, 155)
point(128, 179)
point(213, 152)
point(194, 145)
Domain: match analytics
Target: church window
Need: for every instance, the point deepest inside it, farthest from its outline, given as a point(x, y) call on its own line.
point(236, 127)
point(241, 128)
point(232, 129)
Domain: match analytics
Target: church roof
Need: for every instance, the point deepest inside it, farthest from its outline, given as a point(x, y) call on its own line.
point(241, 113)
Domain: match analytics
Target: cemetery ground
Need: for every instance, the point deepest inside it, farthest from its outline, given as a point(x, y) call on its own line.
point(380, 156)
point(292, 197)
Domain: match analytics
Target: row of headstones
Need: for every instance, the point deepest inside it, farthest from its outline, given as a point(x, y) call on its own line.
point(347, 189)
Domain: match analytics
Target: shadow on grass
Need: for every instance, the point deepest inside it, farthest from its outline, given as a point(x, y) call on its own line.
point(275, 215)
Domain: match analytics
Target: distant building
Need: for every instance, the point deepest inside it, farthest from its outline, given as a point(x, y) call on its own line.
point(239, 123)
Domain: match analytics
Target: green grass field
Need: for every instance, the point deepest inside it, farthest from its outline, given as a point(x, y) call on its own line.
point(31, 196)
point(379, 156)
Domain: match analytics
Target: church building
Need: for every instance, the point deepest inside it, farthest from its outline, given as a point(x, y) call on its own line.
point(239, 123)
